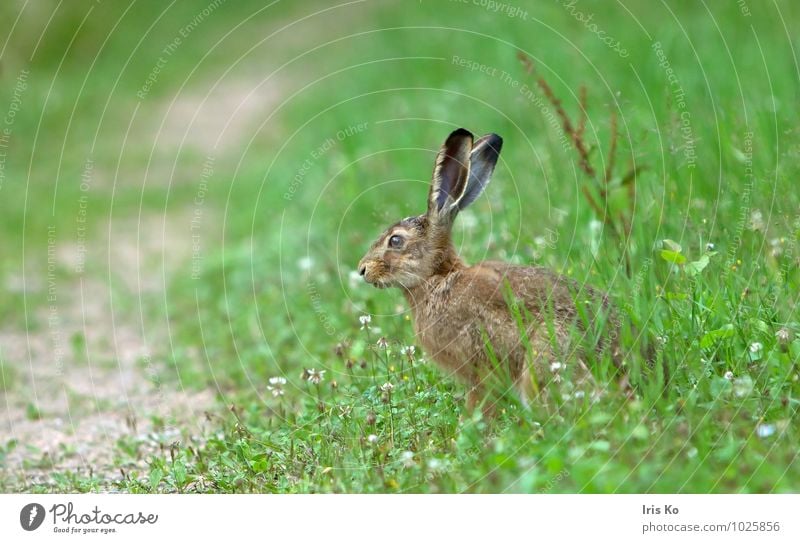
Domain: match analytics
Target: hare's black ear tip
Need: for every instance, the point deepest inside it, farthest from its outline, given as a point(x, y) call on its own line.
point(495, 142)
point(459, 133)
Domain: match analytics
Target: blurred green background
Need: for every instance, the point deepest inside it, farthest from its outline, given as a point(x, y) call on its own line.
point(231, 162)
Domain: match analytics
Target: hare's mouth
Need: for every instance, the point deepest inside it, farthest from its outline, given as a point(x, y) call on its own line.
point(377, 283)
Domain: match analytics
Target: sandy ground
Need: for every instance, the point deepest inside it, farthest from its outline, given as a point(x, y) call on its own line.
point(87, 376)
point(82, 371)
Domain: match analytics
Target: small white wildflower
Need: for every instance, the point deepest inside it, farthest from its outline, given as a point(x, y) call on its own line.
point(783, 336)
point(765, 430)
point(756, 220)
point(305, 263)
point(756, 347)
point(555, 366)
point(728, 375)
point(276, 386)
point(407, 459)
point(776, 246)
point(691, 453)
point(382, 343)
point(365, 320)
point(314, 376)
point(408, 350)
point(710, 246)
point(742, 386)
point(387, 387)
point(372, 438)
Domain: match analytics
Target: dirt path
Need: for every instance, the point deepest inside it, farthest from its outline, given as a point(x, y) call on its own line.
point(81, 387)
point(87, 379)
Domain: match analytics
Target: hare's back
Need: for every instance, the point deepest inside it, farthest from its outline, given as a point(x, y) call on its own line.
point(541, 290)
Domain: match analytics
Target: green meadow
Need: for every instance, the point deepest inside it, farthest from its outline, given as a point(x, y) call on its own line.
point(186, 189)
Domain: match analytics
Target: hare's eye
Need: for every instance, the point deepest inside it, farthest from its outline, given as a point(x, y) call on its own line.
point(395, 242)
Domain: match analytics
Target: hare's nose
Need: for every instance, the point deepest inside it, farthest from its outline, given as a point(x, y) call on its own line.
point(363, 271)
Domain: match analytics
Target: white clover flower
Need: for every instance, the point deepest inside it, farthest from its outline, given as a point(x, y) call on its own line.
point(314, 376)
point(776, 246)
point(742, 386)
point(765, 430)
point(408, 350)
point(372, 438)
point(728, 375)
point(710, 246)
point(365, 320)
point(783, 336)
point(756, 347)
point(387, 387)
point(276, 386)
point(756, 220)
point(305, 263)
point(407, 459)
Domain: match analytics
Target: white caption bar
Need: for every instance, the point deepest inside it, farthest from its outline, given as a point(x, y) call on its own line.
point(372, 518)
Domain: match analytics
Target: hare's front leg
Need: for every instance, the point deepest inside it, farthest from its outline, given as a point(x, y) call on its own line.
point(477, 397)
point(480, 393)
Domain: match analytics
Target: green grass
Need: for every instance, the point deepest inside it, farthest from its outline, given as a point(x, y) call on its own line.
point(277, 298)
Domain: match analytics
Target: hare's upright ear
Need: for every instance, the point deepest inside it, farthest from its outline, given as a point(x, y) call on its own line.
point(482, 161)
point(450, 176)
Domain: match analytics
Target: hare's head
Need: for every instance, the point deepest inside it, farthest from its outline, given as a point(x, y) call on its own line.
point(416, 248)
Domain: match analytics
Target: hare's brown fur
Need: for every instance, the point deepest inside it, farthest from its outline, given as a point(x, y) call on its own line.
point(458, 308)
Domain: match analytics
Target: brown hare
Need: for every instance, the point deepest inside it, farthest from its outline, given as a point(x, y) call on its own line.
point(463, 314)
